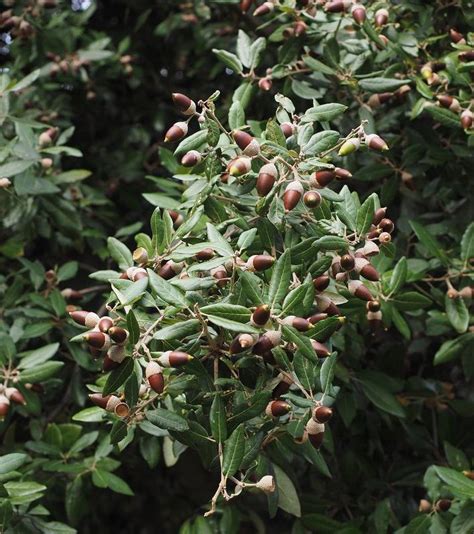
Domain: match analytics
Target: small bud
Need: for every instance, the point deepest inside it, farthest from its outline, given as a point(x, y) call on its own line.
point(315, 433)
point(140, 255)
point(97, 340)
point(259, 262)
point(174, 358)
point(292, 195)
point(385, 237)
point(321, 282)
point(266, 179)
point(337, 6)
point(351, 145)
point(467, 118)
point(241, 342)
point(85, 318)
point(184, 104)
point(170, 269)
point(381, 17)
point(191, 158)
point(239, 166)
point(347, 262)
point(322, 178)
point(154, 375)
point(312, 199)
point(205, 254)
point(267, 342)
point(265, 84)
point(4, 183)
point(261, 315)
point(105, 323)
point(46, 163)
point(265, 8)
point(321, 350)
point(118, 334)
point(266, 484)
point(342, 174)
point(15, 395)
point(287, 128)
point(375, 142)
point(176, 132)
point(424, 506)
point(277, 408)
point(358, 13)
point(322, 414)
point(299, 323)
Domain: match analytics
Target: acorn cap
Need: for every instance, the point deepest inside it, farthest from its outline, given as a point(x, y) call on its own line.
point(122, 410)
point(15, 395)
point(85, 318)
point(116, 353)
point(266, 484)
point(140, 255)
point(267, 342)
point(315, 433)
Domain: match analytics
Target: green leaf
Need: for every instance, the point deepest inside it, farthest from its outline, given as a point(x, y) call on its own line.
point(381, 85)
point(178, 330)
point(429, 241)
point(118, 376)
point(467, 243)
point(236, 115)
point(167, 419)
point(218, 419)
point(243, 48)
point(254, 407)
point(410, 301)
point(327, 372)
point(331, 242)
point(444, 116)
point(304, 370)
point(294, 299)
point(323, 113)
point(38, 356)
point(419, 525)
point(24, 492)
point(115, 483)
point(323, 330)
point(274, 133)
point(120, 253)
point(233, 326)
point(382, 398)
point(166, 291)
point(234, 450)
point(160, 200)
point(453, 348)
point(301, 341)
point(458, 483)
point(133, 327)
point(94, 414)
point(11, 462)
point(365, 215)
point(24, 82)
point(280, 280)
point(399, 275)
point(233, 312)
point(191, 142)
point(321, 142)
point(230, 60)
point(40, 372)
point(7, 170)
point(457, 312)
point(456, 457)
point(318, 66)
point(287, 496)
point(219, 244)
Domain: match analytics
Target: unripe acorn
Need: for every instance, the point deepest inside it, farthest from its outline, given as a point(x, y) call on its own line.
point(322, 414)
point(300, 28)
point(176, 132)
point(205, 254)
point(375, 142)
point(337, 6)
point(266, 484)
point(467, 118)
point(299, 323)
point(184, 104)
point(321, 350)
point(292, 195)
point(97, 340)
point(321, 283)
point(349, 146)
point(15, 395)
point(261, 315)
point(118, 334)
point(174, 358)
point(265, 8)
point(266, 179)
point(315, 433)
point(342, 174)
point(277, 408)
point(191, 158)
point(140, 255)
point(85, 318)
point(4, 183)
point(154, 375)
point(322, 178)
point(381, 17)
point(282, 387)
point(312, 199)
point(4, 406)
point(347, 262)
point(239, 166)
point(378, 99)
point(265, 84)
point(105, 323)
point(287, 128)
point(373, 305)
point(221, 275)
point(358, 13)
point(385, 237)
point(260, 262)
point(170, 269)
point(46, 163)
point(365, 269)
point(267, 342)
point(241, 342)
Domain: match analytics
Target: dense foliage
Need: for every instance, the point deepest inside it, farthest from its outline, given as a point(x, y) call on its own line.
point(247, 307)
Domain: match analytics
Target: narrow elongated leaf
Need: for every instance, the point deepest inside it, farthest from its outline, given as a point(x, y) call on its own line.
point(399, 275)
point(166, 291)
point(365, 216)
point(178, 330)
point(457, 312)
point(234, 450)
point(120, 253)
point(218, 420)
point(167, 419)
point(382, 398)
point(118, 376)
point(429, 241)
point(232, 312)
point(280, 280)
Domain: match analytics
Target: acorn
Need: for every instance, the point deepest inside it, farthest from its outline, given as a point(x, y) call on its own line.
point(347, 262)
point(154, 375)
point(243, 139)
point(105, 323)
point(266, 484)
point(379, 215)
point(282, 387)
point(312, 199)
point(116, 354)
point(385, 238)
point(300, 28)
point(174, 358)
point(322, 178)
point(176, 132)
point(170, 269)
point(266, 179)
point(373, 306)
point(449, 102)
point(97, 340)
point(365, 269)
point(15, 395)
point(357, 288)
point(261, 315)
point(4, 406)
point(241, 342)
point(205, 254)
point(349, 146)
point(245, 5)
point(326, 305)
point(467, 293)
point(424, 506)
point(378, 99)
point(267, 342)
point(381, 17)
point(287, 128)
point(277, 408)
point(265, 84)
point(386, 225)
point(140, 255)
point(337, 6)
point(358, 13)
point(375, 142)
point(259, 262)
point(443, 505)
point(342, 174)
point(315, 318)
point(369, 249)
point(292, 195)
point(136, 273)
point(426, 71)
point(322, 414)
point(239, 166)
point(321, 350)
point(375, 319)
point(468, 55)
point(111, 403)
point(221, 275)
point(191, 158)
point(321, 282)
point(118, 334)
point(336, 265)
point(176, 217)
point(85, 318)
point(265, 8)
point(456, 37)
point(467, 119)
point(299, 323)
point(184, 104)
point(315, 433)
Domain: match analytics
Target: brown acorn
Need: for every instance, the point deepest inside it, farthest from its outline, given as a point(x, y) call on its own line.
point(136, 273)
point(443, 505)
point(322, 414)
point(239, 166)
point(379, 215)
point(299, 323)
point(386, 225)
point(97, 340)
point(381, 17)
point(369, 249)
point(375, 319)
point(265, 84)
point(322, 178)
point(312, 199)
point(375, 142)
point(205, 254)
point(241, 342)
point(243, 139)
point(176, 132)
point(221, 275)
point(315, 318)
point(266, 179)
point(300, 28)
point(287, 128)
point(174, 358)
point(373, 305)
point(378, 99)
point(424, 506)
point(191, 158)
point(282, 387)
point(245, 5)
point(108, 364)
point(184, 104)
point(267, 342)
point(456, 37)
point(358, 13)
point(277, 408)
point(85, 318)
point(467, 119)
point(176, 217)
point(118, 334)
point(105, 323)
point(365, 269)
point(321, 350)
point(347, 262)
point(4, 406)
point(342, 174)
point(357, 288)
point(260, 262)
point(315, 433)
point(326, 305)
point(170, 269)
point(468, 55)
point(321, 282)
point(154, 375)
point(337, 6)
point(449, 102)
point(467, 293)
point(265, 8)
point(261, 315)
point(15, 395)
point(292, 195)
